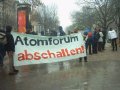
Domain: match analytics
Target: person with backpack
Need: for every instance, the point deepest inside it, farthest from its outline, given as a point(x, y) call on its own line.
point(10, 49)
point(2, 48)
point(89, 42)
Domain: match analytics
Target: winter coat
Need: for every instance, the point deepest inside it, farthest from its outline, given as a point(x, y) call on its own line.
point(10, 46)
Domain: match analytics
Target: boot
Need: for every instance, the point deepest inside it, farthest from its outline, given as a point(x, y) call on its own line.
point(85, 59)
point(80, 59)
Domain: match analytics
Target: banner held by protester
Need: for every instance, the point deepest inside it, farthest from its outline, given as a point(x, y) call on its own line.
point(34, 49)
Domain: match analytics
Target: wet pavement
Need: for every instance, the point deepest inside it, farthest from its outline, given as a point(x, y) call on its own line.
point(101, 72)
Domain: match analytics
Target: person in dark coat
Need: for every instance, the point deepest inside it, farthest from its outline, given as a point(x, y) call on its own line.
point(10, 49)
point(95, 39)
point(62, 33)
point(2, 54)
point(2, 50)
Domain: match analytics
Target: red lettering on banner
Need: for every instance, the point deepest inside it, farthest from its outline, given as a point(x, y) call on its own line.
point(21, 56)
point(37, 56)
point(83, 48)
point(28, 56)
point(59, 54)
point(67, 52)
point(49, 54)
point(44, 55)
point(80, 50)
point(63, 52)
point(73, 52)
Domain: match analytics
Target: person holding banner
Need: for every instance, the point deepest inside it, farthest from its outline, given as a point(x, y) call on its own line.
point(61, 33)
point(10, 49)
point(85, 37)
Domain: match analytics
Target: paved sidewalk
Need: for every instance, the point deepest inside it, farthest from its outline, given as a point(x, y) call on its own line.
point(107, 54)
point(101, 72)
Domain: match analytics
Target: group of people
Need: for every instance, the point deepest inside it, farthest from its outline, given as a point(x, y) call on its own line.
point(95, 41)
point(8, 47)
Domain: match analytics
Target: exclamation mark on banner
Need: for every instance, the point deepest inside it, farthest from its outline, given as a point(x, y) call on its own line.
point(82, 47)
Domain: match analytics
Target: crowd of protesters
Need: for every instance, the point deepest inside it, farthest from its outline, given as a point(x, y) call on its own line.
point(7, 46)
point(95, 40)
point(94, 43)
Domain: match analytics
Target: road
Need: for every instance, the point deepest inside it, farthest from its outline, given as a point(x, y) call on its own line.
point(101, 72)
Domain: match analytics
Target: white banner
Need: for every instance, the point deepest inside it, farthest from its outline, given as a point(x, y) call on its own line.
point(34, 49)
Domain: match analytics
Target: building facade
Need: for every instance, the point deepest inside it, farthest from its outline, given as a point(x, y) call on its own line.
point(8, 13)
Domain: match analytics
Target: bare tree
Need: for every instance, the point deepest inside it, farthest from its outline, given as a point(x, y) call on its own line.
point(84, 18)
point(46, 17)
point(34, 3)
point(9, 13)
point(104, 12)
point(116, 5)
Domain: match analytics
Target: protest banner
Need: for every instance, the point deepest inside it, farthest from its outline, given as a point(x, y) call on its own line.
point(34, 49)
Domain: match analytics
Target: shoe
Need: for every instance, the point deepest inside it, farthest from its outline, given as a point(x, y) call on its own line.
point(16, 71)
point(86, 61)
point(12, 73)
point(1, 64)
point(80, 59)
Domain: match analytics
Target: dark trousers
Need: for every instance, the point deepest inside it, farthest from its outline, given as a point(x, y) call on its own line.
point(114, 44)
point(89, 48)
point(85, 59)
point(103, 45)
point(2, 54)
point(100, 46)
point(95, 47)
point(1, 60)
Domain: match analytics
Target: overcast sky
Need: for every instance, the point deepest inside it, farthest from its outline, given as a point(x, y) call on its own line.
point(65, 8)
